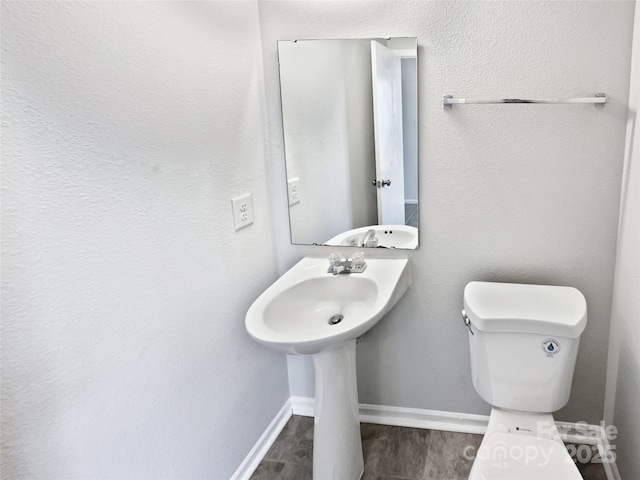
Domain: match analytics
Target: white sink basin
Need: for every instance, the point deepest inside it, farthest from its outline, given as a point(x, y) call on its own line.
point(293, 315)
point(389, 236)
point(298, 313)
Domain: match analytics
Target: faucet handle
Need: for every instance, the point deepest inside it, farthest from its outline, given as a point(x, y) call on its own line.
point(358, 262)
point(358, 259)
point(335, 258)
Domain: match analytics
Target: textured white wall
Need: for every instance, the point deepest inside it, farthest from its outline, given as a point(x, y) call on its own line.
point(516, 193)
point(623, 374)
point(126, 129)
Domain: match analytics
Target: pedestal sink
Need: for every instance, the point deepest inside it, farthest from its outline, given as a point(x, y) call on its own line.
point(308, 311)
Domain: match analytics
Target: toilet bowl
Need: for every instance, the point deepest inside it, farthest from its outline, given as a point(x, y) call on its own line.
point(523, 342)
point(522, 446)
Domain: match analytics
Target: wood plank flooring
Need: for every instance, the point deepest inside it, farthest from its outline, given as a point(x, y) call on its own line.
point(390, 453)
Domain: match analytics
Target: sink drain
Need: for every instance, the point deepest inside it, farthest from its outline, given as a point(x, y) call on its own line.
point(335, 319)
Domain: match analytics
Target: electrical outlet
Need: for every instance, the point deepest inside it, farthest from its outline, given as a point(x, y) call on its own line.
point(293, 186)
point(242, 207)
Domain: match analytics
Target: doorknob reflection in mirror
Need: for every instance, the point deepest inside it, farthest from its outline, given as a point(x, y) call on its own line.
point(381, 183)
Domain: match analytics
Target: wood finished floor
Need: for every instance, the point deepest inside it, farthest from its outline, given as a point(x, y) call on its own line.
point(390, 453)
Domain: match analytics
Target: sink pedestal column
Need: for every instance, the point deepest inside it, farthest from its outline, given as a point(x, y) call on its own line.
point(337, 446)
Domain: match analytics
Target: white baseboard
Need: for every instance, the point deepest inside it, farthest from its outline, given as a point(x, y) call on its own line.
point(262, 446)
point(303, 406)
point(405, 417)
point(610, 468)
point(420, 418)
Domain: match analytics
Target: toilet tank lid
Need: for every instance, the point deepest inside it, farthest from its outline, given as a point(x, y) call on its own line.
point(525, 308)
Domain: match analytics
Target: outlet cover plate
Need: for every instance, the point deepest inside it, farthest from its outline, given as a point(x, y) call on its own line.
point(242, 207)
point(293, 187)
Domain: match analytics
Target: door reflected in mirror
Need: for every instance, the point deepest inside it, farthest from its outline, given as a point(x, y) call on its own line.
point(349, 111)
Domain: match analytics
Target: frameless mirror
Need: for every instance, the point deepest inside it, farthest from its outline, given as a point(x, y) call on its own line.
point(349, 112)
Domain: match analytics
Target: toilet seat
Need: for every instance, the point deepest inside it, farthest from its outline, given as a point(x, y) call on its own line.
point(512, 456)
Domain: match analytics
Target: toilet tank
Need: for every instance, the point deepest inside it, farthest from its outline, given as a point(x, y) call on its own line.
point(524, 341)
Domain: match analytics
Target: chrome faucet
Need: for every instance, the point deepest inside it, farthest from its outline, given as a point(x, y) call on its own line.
point(344, 264)
point(369, 239)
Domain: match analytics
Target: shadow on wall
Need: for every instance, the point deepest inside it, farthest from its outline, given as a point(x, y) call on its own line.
point(631, 136)
point(626, 419)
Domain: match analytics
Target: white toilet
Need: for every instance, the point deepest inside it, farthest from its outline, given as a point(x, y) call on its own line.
point(524, 342)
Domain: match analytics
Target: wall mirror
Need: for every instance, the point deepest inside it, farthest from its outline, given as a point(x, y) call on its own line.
point(349, 112)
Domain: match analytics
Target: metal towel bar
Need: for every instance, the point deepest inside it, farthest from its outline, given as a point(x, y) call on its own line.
point(599, 99)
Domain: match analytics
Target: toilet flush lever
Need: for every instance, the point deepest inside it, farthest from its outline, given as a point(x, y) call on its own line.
point(467, 322)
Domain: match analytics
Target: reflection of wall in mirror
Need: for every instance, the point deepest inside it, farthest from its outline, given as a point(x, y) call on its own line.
point(410, 129)
point(327, 111)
